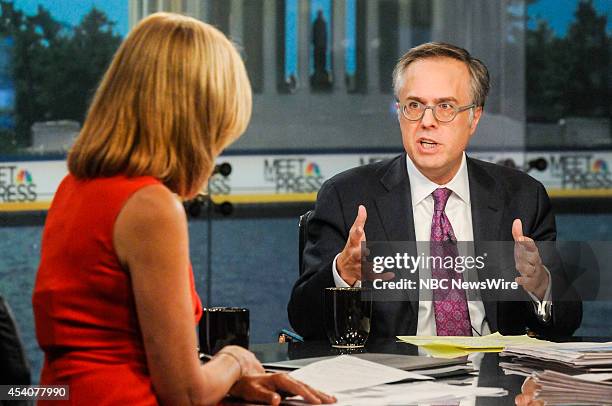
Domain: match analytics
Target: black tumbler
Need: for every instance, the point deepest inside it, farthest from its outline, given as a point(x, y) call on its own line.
point(221, 326)
point(348, 312)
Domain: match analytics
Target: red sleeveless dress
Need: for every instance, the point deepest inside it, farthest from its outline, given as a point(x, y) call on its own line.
point(84, 308)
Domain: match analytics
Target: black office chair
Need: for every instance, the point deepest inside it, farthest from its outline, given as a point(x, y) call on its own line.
point(15, 369)
point(582, 267)
point(303, 236)
point(286, 335)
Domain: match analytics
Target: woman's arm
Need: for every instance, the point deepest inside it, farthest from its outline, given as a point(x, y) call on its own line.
point(151, 241)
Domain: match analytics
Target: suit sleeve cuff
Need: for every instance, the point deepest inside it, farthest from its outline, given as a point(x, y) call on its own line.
point(542, 308)
point(338, 281)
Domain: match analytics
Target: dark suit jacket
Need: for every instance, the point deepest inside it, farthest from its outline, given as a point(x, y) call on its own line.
point(498, 196)
point(15, 368)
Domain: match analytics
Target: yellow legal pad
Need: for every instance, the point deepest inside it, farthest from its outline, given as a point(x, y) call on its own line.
point(459, 346)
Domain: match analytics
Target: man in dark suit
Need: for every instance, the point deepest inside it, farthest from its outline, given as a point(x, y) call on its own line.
point(436, 193)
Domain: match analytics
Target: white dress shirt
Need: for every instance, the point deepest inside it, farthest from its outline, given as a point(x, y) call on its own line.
point(459, 212)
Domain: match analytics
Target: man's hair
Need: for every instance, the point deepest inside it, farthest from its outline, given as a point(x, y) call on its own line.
point(479, 74)
point(175, 95)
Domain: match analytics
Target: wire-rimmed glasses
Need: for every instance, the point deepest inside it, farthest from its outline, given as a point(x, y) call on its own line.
point(444, 112)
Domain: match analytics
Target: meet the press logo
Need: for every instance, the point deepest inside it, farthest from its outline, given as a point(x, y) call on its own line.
point(293, 175)
point(16, 185)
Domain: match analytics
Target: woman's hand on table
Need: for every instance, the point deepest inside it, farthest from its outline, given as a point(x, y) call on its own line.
point(266, 388)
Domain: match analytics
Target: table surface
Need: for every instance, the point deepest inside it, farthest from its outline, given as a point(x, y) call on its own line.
point(490, 374)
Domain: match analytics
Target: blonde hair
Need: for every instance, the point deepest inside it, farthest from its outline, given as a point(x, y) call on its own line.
point(175, 95)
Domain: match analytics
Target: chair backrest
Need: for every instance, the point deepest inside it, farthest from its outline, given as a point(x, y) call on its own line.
point(303, 235)
point(15, 367)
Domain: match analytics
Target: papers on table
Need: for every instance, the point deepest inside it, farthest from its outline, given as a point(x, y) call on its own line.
point(569, 358)
point(424, 365)
point(415, 392)
point(356, 381)
point(458, 346)
point(603, 377)
point(559, 369)
point(399, 361)
point(558, 388)
point(409, 393)
point(345, 372)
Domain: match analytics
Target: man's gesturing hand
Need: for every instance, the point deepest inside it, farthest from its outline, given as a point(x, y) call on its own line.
point(348, 263)
point(534, 277)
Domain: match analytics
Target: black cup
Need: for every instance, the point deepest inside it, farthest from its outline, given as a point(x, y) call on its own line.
point(348, 312)
point(221, 326)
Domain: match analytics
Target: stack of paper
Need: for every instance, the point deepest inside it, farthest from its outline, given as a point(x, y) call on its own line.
point(567, 373)
point(567, 358)
point(458, 346)
point(347, 373)
point(356, 381)
point(584, 389)
point(413, 393)
point(424, 365)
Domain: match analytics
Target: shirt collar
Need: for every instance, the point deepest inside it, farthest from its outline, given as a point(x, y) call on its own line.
point(421, 187)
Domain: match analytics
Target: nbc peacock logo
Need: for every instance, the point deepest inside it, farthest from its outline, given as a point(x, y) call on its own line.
point(312, 169)
point(599, 166)
point(24, 177)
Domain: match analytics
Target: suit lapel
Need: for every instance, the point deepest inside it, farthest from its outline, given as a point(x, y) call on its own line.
point(395, 206)
point(395, 212)
point(487, 210)
point(487, 203)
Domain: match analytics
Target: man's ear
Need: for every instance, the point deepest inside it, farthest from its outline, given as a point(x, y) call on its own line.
point(475, 119)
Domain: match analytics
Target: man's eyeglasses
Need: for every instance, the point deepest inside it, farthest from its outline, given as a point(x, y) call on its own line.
point(444, 112)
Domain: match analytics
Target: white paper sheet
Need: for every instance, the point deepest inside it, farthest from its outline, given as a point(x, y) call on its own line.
point(409, 393)
point(414, 392)
point(349, 373)
point(594, 377)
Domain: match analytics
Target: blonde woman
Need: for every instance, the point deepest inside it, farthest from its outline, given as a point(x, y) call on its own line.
point(114, 301)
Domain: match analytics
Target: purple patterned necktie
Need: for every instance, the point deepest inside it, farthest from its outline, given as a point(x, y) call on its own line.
point(450, 305)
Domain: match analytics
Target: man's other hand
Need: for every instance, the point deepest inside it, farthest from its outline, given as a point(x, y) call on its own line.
point(534, 277)
point(348, 264)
